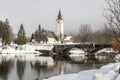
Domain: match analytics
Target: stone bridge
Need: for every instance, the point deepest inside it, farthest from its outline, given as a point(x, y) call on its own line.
point(90, 48)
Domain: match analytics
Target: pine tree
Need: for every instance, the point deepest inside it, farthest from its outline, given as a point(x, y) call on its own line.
point(39, 34)
point(5, 32)
point(7, 35)
point(39, 29)
point(32, 37)
point(43, 30)
point(1, 29)
point(36, 35)
point(21, 38)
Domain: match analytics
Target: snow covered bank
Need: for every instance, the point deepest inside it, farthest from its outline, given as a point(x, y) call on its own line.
point(44, 47)
point(117, 58)
point(28, 48)
point(108, 72)
point(106, 50)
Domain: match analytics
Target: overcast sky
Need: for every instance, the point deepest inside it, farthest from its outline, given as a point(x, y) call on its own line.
point(31, 13)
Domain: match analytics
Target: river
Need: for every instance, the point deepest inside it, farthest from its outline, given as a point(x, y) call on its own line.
point(32, 67)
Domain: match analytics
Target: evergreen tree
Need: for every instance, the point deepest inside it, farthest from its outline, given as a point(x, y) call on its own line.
point(21, 38)
point(36, 35)
point(6, 36)
point(32, 37)
point(39, 34)
point(1, 29)
point(5, 32)
point(42, 30)
point(39, 29)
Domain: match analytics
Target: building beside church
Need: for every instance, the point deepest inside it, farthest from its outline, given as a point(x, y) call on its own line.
point(68, 39)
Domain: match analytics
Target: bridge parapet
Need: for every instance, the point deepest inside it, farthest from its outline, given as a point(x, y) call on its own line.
point(86, 47)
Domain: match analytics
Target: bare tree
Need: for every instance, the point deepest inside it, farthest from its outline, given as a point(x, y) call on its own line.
point(101, 36)
point(85, 33)
point(112, 15)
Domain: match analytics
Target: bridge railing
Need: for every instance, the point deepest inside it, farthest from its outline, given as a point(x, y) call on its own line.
point(60, 48)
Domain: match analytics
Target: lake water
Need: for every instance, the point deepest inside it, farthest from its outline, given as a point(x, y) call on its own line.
point(30, 67)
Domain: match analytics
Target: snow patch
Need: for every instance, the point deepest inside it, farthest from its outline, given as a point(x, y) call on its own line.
point(108, 72)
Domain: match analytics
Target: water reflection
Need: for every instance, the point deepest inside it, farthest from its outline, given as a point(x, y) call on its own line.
point(37, 67)
point(45, 64)
point(5, 68)
point(31, 67)
point(60, 67)
point(78, 59)
point(104, 56)
point(21, 65)
point(43, 61)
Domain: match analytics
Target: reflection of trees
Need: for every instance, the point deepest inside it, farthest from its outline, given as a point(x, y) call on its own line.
point(5, 67)
point(37, 66)
point(21, 65)
point(42, 69)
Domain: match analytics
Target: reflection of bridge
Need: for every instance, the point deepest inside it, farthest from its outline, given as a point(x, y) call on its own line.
point(90, 48)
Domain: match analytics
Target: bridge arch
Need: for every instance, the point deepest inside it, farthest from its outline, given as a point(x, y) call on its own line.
point(73, 48)
point(89, 48)
point(76, 50)
point(105, 51)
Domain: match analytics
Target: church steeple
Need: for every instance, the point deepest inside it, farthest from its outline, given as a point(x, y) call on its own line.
point(60, 27)
point(59, 15)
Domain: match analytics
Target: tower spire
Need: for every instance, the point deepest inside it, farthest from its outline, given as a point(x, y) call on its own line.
point(59, 15)
point(60, 27)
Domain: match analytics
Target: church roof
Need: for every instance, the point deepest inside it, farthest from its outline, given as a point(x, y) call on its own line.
point(50, 34)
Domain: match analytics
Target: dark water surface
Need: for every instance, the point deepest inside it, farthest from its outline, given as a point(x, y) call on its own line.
point(30, 67)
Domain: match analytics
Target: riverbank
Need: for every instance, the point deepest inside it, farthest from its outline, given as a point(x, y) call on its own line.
point(66, 66)
point(25, 49)
point(107, 72)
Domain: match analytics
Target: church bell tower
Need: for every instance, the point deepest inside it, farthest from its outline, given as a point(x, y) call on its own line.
point(60, 27)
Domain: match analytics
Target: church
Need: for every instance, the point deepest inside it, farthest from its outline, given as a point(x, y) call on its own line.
point(60, 27)
point(60, 31)
point(50, 37)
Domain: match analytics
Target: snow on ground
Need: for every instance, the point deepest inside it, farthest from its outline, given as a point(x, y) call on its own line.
point(44, 47)
point(117, 58)
point(108, 72)
point(26, 53)
point(28, 48)
point(38, 47)
point(107, 50)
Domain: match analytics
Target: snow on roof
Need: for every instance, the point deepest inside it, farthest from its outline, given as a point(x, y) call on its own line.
point(68, 38)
